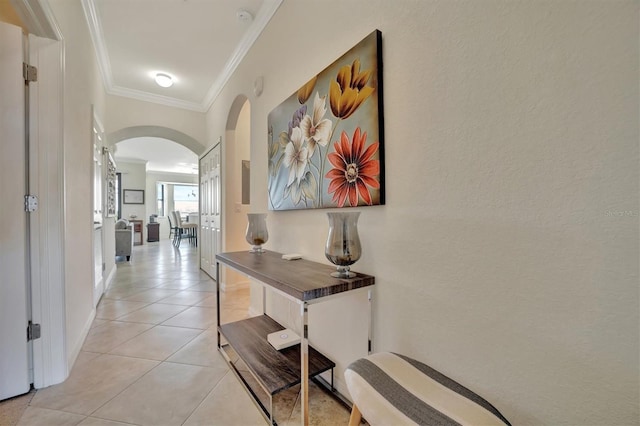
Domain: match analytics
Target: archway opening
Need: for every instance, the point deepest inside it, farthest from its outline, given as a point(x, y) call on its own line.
point(164, 171)
point(236, 169)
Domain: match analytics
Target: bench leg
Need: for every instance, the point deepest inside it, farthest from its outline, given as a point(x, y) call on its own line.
point(356, 416)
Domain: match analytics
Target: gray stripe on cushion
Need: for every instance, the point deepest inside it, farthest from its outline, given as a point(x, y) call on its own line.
point(406, 402)
point(454, 386)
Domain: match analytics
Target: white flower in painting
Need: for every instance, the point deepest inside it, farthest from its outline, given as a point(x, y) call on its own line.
point(295, 156)
point(316, 130)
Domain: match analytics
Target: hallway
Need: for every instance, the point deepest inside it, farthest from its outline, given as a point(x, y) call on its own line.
point(150, 357)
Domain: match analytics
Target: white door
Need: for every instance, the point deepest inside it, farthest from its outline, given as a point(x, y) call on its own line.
point(215, 219)
point(210, 210)
point(14, 362)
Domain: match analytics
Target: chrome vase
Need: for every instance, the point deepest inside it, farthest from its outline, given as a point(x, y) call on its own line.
point(343, 243)
point(257, 234)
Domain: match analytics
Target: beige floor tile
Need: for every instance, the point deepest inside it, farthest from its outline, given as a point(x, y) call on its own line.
point(97, 322)
point(201, 351)
point(151, 295)
point(113, 309)
point(93, 383)
point(184, 297)
point(154, 314)
point(94, 421)
point(323, 409)
point(178, 284)
point(231, 315)
point(86, 356)
point(120, 292)
point(207, 287)
point(157, 343)
point(228, 404)
point(194, 317)
point(13, 408)
point(209, 302)
point(35, 416)
point(165, 396)
point(106, 337)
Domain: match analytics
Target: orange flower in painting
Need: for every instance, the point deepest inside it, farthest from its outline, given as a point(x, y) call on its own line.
point(348, 91)
point(354, 170)
point(305, 91)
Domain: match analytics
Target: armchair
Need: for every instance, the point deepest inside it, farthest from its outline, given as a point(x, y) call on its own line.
point(124, 238)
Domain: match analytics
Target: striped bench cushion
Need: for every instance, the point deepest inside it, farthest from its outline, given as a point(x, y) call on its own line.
point(391, 389)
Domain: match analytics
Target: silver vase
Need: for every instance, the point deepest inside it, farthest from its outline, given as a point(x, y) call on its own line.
point(343, 243)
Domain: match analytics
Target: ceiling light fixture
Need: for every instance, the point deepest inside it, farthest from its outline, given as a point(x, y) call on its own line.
point(163, 79)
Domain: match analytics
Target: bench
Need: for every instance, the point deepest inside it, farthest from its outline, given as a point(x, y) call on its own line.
point(392, 389)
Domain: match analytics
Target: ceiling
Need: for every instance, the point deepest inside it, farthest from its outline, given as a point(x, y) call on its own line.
point(199, 43)
point(160, 155)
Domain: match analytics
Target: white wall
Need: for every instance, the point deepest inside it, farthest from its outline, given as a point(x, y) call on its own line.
point(82, 88)
point(126, 112)
point(506, 255)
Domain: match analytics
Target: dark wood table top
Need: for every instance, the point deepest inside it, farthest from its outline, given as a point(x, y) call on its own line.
point(302, 279)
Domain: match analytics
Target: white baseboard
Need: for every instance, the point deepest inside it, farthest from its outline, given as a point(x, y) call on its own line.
point(110, 277)
point(73, 355)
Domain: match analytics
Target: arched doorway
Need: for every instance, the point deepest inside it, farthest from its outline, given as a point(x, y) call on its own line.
point(236, 153)
point(180, 166)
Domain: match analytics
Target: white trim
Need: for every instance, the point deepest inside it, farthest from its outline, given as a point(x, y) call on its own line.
point(78, 345)
point(110, 277)
point(47, 224)
point(264, 15)
point(156, 99)
point(38, 18)
point(95, 30)
point(266, 12)
point(129, 160)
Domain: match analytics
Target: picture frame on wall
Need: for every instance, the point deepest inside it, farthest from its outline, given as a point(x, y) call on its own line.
point(326, 140)
point(133, 196)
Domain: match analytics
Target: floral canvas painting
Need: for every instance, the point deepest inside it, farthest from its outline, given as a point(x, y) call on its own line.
point(326, 140)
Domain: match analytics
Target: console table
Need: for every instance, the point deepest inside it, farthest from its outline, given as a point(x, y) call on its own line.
point(302, 281)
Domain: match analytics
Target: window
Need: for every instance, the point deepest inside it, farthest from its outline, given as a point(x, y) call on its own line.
point(185, 198)
point(160, 198)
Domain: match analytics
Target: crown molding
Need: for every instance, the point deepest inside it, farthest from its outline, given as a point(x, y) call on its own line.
point(95, 30)
point(157, 99)
point(266, 12)
point(129, 159)
point(264, 15)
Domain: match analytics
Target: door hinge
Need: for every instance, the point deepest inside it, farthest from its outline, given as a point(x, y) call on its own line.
point(33, 331)
point(29, 72)
point(30, 203)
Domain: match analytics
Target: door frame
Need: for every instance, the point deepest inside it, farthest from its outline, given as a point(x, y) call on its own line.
point(46, 176)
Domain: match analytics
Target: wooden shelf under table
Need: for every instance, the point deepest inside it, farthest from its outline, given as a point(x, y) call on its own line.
point(275, 370)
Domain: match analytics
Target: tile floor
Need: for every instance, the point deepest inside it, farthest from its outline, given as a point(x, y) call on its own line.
point(150, 357)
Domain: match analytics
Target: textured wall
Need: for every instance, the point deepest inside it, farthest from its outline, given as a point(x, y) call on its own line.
point(82, 89)
point(507, 253)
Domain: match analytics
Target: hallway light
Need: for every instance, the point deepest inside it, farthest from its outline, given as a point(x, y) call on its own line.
point(164, 80)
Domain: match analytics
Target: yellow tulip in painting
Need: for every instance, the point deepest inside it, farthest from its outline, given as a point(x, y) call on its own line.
point(348, 91)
